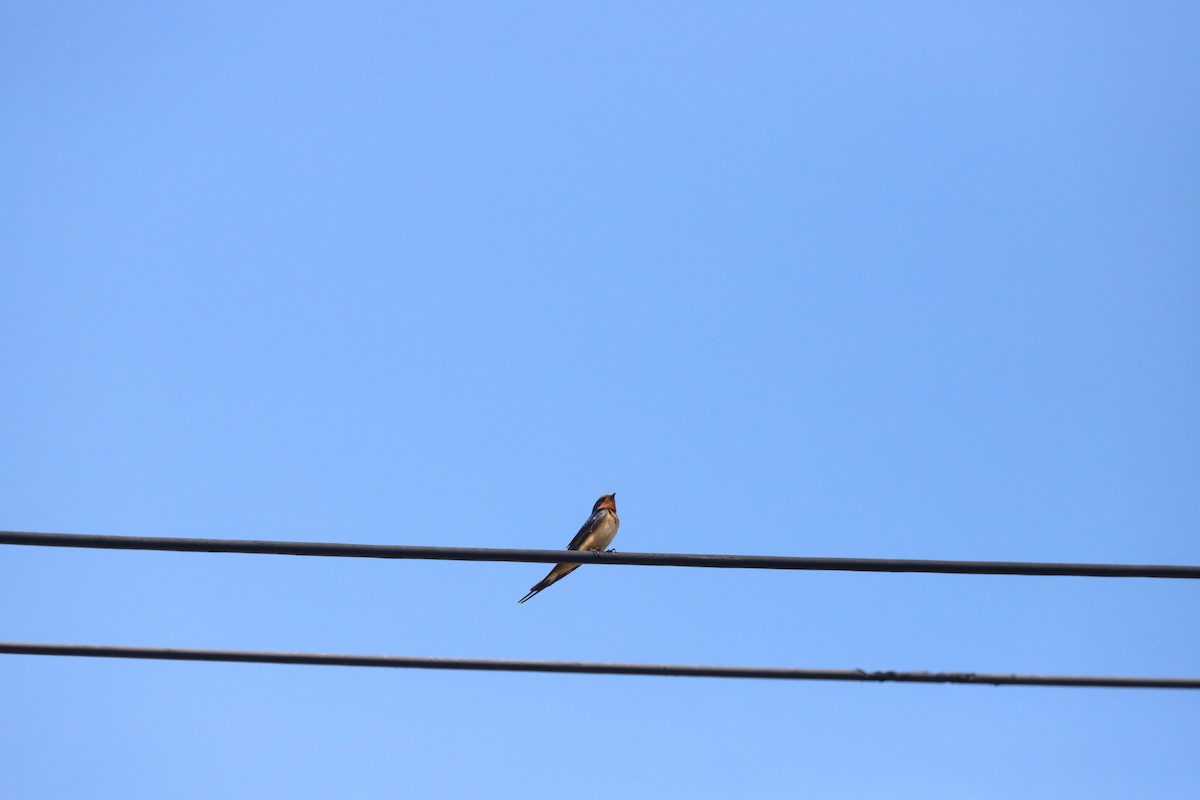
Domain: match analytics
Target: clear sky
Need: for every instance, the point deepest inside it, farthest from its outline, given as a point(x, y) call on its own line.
point(914, 281)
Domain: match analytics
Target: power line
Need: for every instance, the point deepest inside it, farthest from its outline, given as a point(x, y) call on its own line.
point(587, 667)
point(577, 557)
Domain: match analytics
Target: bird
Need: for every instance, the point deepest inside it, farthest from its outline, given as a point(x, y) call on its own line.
point(595, 535)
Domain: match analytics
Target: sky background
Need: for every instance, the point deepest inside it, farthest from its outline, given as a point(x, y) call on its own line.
point(910, 281)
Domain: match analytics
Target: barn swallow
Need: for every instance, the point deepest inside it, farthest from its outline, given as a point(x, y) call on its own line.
point(595, 535)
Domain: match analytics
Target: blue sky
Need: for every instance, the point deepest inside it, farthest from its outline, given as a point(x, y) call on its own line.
point(877, 281)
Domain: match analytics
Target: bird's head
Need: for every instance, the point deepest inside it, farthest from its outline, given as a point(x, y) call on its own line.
point(608, 501)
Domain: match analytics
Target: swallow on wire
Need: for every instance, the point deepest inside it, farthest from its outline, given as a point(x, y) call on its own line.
point(595, 535)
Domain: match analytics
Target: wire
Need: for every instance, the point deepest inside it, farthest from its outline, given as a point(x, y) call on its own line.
point(586, 667)
point(587, 557)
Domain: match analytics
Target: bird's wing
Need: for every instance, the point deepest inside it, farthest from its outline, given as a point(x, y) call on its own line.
point(587, 529)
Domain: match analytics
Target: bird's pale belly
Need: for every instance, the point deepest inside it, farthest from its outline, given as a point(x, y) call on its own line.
point(602, 536)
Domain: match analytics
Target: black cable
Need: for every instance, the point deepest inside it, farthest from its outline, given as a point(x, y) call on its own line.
point(592, 668)
point(585, 557)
